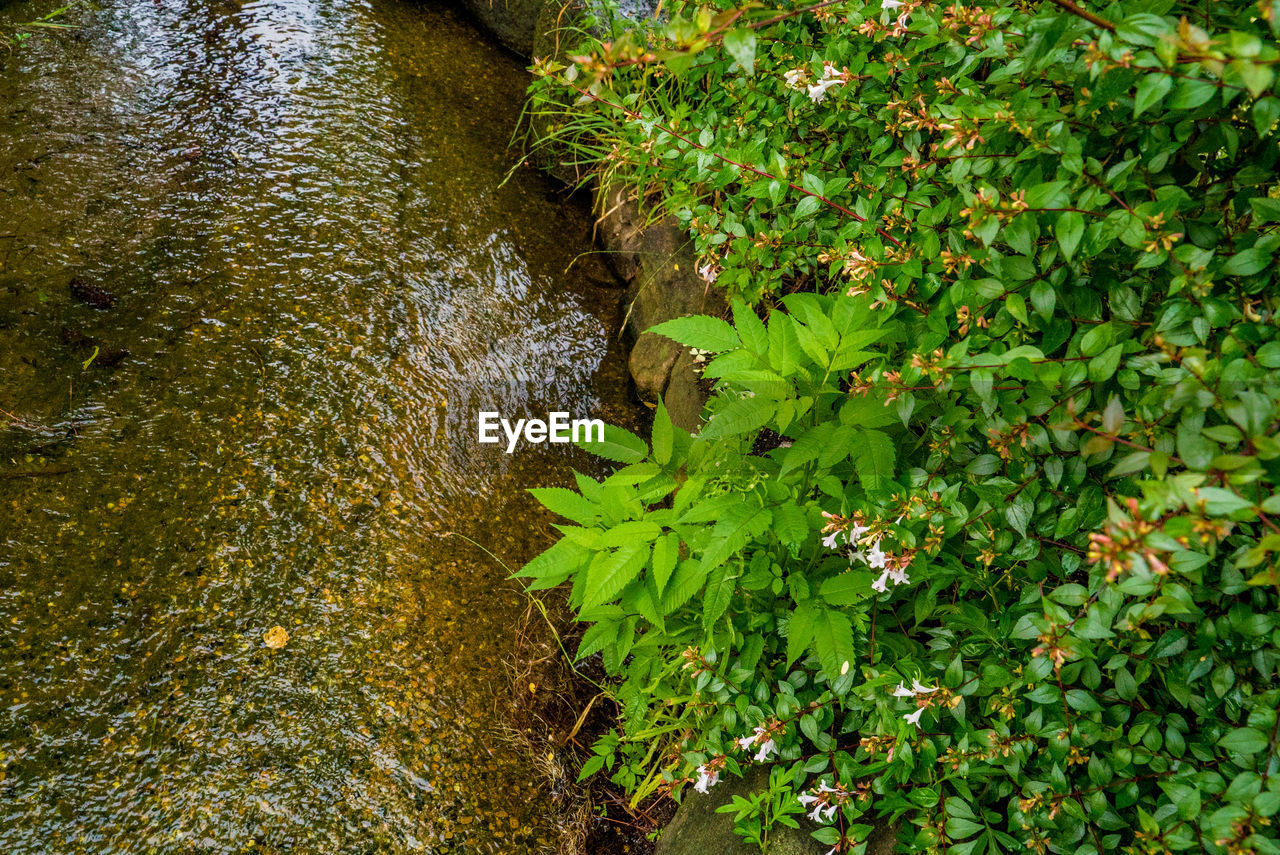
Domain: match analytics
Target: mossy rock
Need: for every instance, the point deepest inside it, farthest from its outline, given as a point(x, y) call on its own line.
point(512, 22)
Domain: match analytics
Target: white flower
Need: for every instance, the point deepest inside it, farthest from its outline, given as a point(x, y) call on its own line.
point(829, 72)
point(856, 531)
point(899, 576)
point(881, 585)
point(766, 748)
point(706, 779)
point(903, 692)
point(818, 91)
point(890, 4)
point(806, 799)
point(918, 688)
point(709, 272)
point(914, 717)
point(876, 558)
point(831, 811)
point(830, 540)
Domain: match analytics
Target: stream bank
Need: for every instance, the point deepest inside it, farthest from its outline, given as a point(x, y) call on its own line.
point(653, 257)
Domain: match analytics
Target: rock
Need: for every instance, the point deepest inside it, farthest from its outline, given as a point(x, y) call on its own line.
point(512, 22)
point(657, 260)
point(697, 829)
point(90, 294)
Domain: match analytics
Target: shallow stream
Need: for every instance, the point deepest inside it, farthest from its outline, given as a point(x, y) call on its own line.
point(258, 272)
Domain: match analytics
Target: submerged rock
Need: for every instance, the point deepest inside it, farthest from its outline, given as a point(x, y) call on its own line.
point(91, 294)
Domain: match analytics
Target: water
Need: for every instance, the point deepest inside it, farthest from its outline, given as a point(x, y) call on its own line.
point(310, 279)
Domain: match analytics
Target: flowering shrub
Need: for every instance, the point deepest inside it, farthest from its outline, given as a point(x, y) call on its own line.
point(980, 535)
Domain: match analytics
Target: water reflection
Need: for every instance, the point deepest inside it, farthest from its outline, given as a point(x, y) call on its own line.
point(317, 278)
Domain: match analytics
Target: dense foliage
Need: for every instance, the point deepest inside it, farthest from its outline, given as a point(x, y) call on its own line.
point(980, 535)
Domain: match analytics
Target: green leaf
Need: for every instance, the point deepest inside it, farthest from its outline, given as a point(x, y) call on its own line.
point(790, 523)
point(1265, 209)
point(739, 524)
point(755, 338)
point(568, 504)
point(720, 585)
point(807, 206)
point(741, 45)
point(1244, 740)
point(1154, 86)
point(873, 457)
point(1068, 230)
point(800, 631)
point(666, 550)
point(1247, 262)
point(610, 572)
point(661, 435)
point(554, 565)
point(833, 642)
point(700, 331)
point(848, 588)
point(630, 531)
point(742, 416)
point(619, 445)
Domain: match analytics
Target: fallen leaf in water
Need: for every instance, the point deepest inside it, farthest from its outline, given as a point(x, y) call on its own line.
point(276, 637)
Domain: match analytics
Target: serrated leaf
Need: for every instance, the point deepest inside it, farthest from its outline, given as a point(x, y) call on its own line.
point(662, 434)
point(567, 503)
point(700, 331)
point(873, 457)
point(666, 550)
point(610, 572)
point(720, 585)
point(619, 445)
point(742, 416)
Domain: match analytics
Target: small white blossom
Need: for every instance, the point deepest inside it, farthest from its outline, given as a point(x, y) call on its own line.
point(709, 272)
point(890, 5)
point(914, 717)
point(707, 778)
point(856, 531)
point(882, 584)
point(920, 689)
point(816, 813)
point(876, 558)
point(903, 692)
point(806, 799)
point(767, 747)
point(830, 540)
point(899, 576)
point(818, 91)
point(793, 77)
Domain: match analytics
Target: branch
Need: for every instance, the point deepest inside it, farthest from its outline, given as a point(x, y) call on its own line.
point(1086, 14)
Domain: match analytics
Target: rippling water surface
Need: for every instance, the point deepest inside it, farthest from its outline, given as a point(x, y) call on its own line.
point(308, 277)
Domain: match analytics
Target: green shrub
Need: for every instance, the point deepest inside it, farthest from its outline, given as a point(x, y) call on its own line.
point(980, 535)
